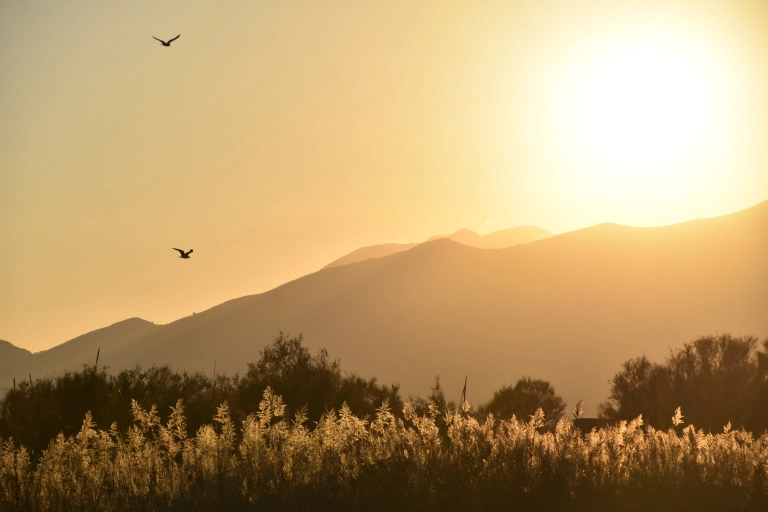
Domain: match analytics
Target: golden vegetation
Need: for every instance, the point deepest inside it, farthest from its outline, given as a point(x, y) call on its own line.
point(384, 463)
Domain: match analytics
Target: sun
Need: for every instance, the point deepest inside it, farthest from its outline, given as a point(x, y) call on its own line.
point(643, 107)
point(644, 110)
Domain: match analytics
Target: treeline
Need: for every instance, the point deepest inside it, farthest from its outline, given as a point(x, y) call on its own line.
point(715, 379)
point(35, 411)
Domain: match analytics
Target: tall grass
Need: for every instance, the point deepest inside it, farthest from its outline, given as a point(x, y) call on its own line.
point(271, 462)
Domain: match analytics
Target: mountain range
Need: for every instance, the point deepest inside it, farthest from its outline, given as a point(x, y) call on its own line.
point(495, 240)
point(568, 308)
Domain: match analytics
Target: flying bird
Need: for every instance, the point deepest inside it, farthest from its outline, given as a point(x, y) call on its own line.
point(184, 255)
point(169, 41)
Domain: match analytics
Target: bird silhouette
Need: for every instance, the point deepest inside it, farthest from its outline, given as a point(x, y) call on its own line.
point(169, 41)
point(184, 255)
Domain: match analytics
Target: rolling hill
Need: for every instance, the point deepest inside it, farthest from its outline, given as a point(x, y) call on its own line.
point(494, 240)
point(11, 354)
point(570, 308)
point(76, 352)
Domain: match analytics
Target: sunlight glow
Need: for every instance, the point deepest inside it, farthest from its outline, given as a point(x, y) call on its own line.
point(649, 111)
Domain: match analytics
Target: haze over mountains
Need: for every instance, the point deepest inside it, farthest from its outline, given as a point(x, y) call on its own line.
point(569, 308)
point(494, 240)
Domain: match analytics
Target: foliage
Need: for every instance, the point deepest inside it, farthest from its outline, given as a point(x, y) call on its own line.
point(386, 463)
point(314, 382)
point(524, 399)
point(35, 412)
point(715, 379)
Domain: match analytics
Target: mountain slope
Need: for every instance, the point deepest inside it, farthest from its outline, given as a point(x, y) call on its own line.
point(570, 309)
point(11, 354)
point(495, 240)
point(72, 354)
point(368, 252)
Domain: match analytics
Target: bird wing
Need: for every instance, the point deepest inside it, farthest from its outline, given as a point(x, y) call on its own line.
point(175, 249)
point(175, 38)
point(156, 39)
point(190, 251)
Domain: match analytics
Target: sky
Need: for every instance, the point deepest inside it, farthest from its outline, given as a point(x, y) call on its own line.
point(275, 136)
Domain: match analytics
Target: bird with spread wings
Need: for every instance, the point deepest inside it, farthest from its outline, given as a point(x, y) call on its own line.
point(168, 43)
point(184, 255)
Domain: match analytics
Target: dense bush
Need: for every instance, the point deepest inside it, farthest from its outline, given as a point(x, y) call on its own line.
point(716, 379)
point(270, 463)
point(523, 399)
point(312, 381)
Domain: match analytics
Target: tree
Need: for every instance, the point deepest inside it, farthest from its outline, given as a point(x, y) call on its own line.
point(715, 379)
point(524, 399)
point(293, 373)
point(312, 381)
point(641, 387)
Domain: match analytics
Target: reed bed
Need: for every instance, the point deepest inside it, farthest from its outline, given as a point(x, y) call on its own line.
point(270, 462)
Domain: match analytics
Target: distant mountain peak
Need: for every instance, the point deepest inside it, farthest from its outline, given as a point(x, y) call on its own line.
point(494, 240)
point(463, 232)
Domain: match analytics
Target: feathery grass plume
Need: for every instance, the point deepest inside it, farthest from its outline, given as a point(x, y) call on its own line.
point(344, 462)
point(677, 419)
point(578, 410)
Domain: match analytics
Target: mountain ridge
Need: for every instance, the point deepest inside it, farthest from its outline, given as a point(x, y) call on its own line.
point(494, 240)
point(569, 309)
point(72, 354)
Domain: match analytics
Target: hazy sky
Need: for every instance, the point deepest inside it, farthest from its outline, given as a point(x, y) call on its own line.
point(275, 136)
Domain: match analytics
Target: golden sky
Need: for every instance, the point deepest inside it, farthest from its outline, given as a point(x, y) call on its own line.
point(275, 136)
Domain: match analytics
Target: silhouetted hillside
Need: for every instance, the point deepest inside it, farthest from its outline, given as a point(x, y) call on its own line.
point(569, 309)
point(372, 251)
point(76, 352)
point(495, 240)
point(498, 239)
point(10, 354)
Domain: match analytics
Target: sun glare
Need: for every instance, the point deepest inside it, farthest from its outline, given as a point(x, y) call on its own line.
point(645, 111)
point(644, 107)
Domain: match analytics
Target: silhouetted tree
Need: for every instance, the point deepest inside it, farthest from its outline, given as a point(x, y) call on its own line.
point(300, 378)
point(523, 400)
point(640, 388)
point(312, 381)
point(714, 379)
